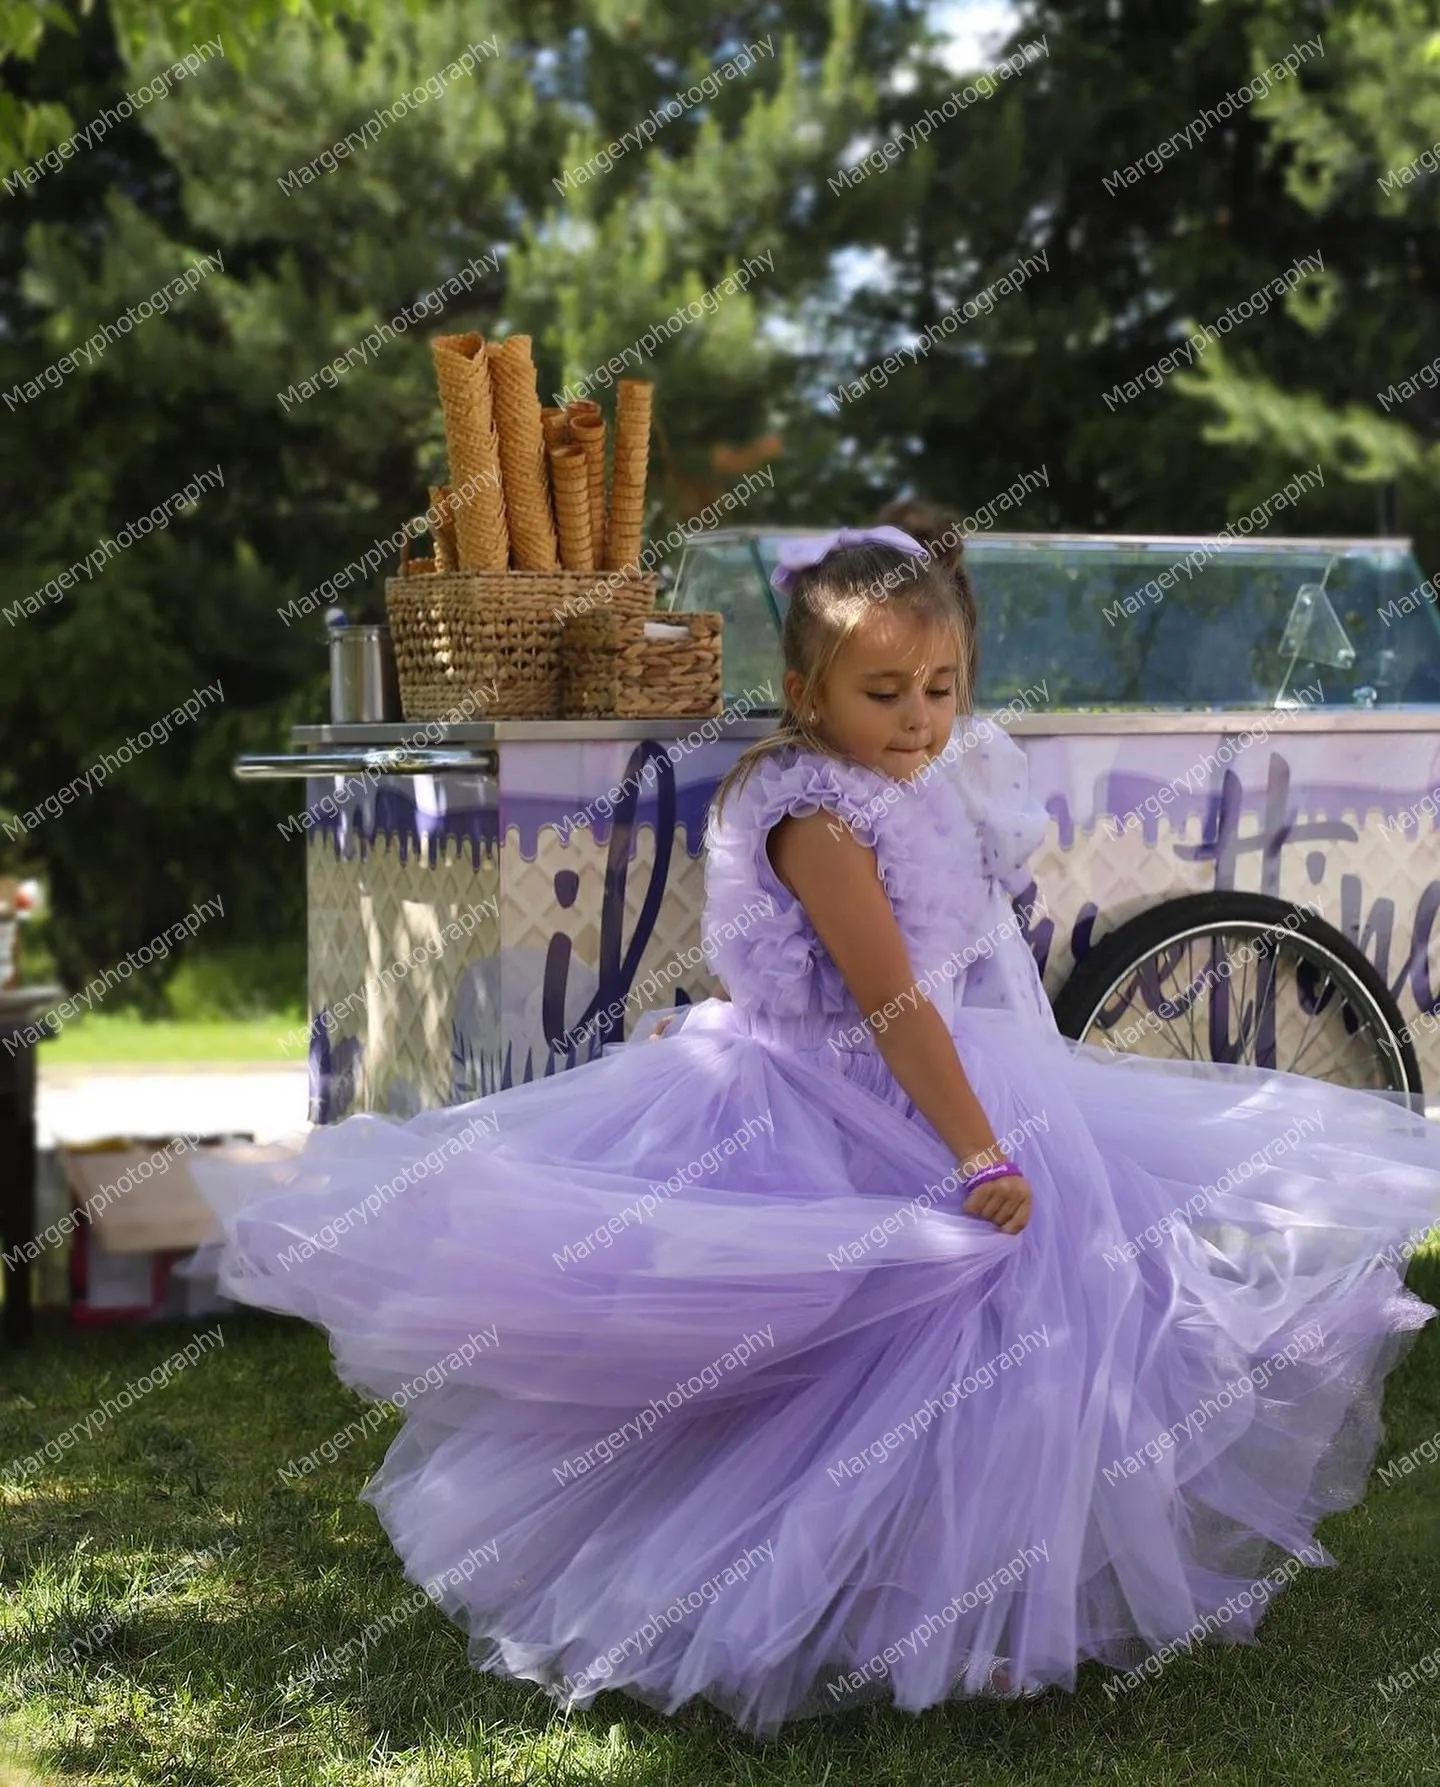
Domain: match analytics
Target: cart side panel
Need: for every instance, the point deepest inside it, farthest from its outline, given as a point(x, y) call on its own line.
point(1341, 821)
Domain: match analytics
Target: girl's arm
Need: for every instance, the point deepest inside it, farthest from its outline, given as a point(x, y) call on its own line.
point(837, 881)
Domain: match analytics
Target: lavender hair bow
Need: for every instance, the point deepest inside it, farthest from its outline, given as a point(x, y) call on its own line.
point(799, 555)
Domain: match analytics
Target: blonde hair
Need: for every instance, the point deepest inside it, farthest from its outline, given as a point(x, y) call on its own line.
point(941, 532)
point(827, 603)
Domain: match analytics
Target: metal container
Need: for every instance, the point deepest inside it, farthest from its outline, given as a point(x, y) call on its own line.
point(364, 687)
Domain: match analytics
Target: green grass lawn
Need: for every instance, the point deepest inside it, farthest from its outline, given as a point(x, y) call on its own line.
point(211, 1582)
point(106, 1039)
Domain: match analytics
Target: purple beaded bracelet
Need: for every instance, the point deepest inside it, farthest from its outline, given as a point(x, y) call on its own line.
point(1002, 1169)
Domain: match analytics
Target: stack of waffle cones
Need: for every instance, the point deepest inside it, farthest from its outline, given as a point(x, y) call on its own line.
point(527, 488)
point(476, 503)
point(627, 481)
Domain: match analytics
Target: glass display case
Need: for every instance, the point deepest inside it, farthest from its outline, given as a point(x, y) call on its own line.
point(1117, 623)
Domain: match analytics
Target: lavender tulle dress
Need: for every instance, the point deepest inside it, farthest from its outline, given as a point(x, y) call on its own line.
point(710, 1389)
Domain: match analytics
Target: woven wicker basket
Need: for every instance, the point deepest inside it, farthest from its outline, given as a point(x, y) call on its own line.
point(609, 668)
point(479, 645)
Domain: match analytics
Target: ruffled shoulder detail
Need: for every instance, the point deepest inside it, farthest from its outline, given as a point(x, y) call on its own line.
point(992, 774)
point(756, 933)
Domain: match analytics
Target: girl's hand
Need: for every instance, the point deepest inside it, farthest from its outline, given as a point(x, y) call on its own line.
point(1005, 1202)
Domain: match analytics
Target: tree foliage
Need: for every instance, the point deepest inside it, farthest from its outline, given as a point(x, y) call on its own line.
point(1029, 165)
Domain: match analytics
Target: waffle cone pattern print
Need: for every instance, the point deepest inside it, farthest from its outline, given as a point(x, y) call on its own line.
point(712, 1389)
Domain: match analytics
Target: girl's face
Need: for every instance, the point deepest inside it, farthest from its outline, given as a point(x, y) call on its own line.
point(888, 699)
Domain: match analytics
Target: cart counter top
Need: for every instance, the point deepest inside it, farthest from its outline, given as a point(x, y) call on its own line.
point(428, 747)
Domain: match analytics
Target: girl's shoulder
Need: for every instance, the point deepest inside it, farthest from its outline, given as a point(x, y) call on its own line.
point(927, 853)
point(913, 827)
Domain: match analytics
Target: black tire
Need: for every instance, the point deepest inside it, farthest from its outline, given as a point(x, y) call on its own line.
point(1118, 955)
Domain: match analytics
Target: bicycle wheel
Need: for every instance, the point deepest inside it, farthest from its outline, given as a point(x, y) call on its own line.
point(1241, 978)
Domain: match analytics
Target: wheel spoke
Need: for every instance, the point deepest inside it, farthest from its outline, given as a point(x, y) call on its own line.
point(1321, 1004)
point(1339, 1029)
point(1253, 1029)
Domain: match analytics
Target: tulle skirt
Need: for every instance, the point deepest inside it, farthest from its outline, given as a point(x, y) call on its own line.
point(710, 1388)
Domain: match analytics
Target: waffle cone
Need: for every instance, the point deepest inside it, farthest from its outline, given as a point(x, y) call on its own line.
point(522, 457)
point(555, 426)
point(624, 523)
point(569, 482)
point(477, 502)
point(588, 431)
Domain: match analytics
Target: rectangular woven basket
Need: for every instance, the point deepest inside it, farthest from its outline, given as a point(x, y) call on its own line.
point(486, 644)
point(610, 669)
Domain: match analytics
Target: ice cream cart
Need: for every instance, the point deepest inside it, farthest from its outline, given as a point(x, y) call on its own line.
point(1241, 762)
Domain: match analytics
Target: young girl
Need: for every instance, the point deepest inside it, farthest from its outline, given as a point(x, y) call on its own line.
point(862, 1337)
